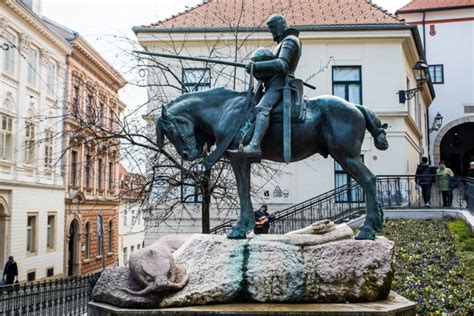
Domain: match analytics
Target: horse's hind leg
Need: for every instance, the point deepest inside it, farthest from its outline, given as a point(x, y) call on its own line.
point(374, 219)
point(246, 222)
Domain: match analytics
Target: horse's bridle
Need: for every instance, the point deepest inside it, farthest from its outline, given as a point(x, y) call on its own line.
point(184, 139)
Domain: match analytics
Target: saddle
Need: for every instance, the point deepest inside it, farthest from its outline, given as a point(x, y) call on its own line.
point(298, 112)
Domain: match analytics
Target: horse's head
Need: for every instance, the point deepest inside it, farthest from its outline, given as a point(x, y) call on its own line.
point(179, 129)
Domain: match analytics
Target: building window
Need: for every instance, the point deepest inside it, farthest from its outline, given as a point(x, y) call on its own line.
point(88, 171)
point(51, 79)
point(132, 249)
point(31, 230)
point(196, 79)
point(90, 107)
point(347, 83)
point(100, 174)
point(31, 276)
point(437, 74)
point(51, 232)
point(111, 176)
point(124, 218)
point(74, 168)
point(48, 149)
point(49, 272)
point(342, 178)
point(125, 255)
point(138, 247)
point(111, 120)
point(6, 144)
point(29, 143)
point(10, 53)
point(32, 59)
point(109, 237)
point(101, 114)
point(87, 240)
point(75, 101)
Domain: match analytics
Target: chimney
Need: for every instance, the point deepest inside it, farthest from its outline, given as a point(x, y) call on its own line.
point(34, 5)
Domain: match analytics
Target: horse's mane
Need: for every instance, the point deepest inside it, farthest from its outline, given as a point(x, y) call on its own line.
point(221, 92)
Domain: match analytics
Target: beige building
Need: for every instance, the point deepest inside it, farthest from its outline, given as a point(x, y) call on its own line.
point(90, 162)
point(32, 64)
point(447, 30)
point(352, 49)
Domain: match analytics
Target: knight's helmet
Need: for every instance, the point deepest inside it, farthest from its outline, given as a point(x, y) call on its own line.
point(262, 54)
point(279, 22)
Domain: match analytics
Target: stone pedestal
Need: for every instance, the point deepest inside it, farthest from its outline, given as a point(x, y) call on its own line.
point(300, 268)
point(393, 305)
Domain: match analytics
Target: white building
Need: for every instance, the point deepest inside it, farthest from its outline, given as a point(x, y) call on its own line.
point(353, 49)
point(131, 223)
point(31, 185)
point(447, 30)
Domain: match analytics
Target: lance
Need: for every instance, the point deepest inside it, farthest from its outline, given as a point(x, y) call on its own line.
point(204, 60)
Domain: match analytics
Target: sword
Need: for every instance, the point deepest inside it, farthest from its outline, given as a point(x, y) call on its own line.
point(287, 121)
point(204, 60)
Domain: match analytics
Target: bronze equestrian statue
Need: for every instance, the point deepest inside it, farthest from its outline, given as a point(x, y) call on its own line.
point(330, 126)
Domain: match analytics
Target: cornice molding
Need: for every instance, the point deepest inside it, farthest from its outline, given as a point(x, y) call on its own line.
point(91, 55)
point(35, 22)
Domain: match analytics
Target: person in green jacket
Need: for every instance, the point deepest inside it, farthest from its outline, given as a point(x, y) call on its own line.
point(442, 180)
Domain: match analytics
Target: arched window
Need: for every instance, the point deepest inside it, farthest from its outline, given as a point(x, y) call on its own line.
point(87, 240)
point(109, 237)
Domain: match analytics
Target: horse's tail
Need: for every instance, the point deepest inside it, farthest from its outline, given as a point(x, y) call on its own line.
point(375, 127)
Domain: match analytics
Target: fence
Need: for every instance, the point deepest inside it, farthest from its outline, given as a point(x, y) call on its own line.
point(345, 202)
point(67, 296)
point(470, 193)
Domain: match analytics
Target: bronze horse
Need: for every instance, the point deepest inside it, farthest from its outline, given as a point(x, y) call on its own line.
point(333, 126)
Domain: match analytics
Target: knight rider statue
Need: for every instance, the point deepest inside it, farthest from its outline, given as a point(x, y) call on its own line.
point(287, 54)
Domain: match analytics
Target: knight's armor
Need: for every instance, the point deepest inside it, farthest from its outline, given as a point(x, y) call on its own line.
point(287, 54)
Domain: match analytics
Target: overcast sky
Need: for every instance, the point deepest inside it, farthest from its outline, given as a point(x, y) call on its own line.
point(99, 20)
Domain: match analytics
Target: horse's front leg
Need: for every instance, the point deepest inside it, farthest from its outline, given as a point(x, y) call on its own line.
point(246, 222)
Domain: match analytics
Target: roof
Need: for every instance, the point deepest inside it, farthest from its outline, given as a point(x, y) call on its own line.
point(253, 13)
point(76, 40)
point(435, 5)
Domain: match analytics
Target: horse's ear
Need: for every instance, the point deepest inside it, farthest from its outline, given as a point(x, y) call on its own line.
point(164, 113)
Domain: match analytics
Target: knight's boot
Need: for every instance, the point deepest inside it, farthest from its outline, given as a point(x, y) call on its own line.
point(253, 148)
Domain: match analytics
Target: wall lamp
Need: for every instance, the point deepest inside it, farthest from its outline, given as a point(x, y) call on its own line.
point(437, 123)
point(421, 75)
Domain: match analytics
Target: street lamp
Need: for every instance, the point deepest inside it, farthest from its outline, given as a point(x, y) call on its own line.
point(437, 123)
point(421, 75)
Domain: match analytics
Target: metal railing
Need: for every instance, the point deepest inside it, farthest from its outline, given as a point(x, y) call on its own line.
point(68, 296)
point(346, 202)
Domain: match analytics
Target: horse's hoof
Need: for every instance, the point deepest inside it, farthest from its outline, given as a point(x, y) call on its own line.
point(365, 233)
point(237, 233)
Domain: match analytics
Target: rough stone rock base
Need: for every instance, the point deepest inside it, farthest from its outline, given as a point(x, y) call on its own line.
point(328, 268)
point(394, 305)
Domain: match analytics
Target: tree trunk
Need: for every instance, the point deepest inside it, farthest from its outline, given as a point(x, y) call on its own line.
point(206, 203)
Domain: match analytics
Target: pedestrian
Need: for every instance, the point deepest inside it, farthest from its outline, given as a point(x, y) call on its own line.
point(469, 187)
point(443, 175)
point(10, 271)
point(425, 175)
point(262, 220)
point(470, 172)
